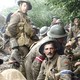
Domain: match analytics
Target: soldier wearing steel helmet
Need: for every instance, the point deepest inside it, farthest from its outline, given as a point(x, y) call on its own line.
point(43, 31)
point(56, 20)
point(28, 4)
point(21, 34)
point(57, 32)
point(53, 63)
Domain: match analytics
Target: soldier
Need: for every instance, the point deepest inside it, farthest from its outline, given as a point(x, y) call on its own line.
point(75, 28)
point(56, 20)
point(21, 34)
point(36, 32)
point(53, 63)
point(57, 31)
point(74, 31)
point(43, 32)
point(32, 65)
point(74, 56)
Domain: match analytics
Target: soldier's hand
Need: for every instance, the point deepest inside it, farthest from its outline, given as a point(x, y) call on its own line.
point(77, 64)
point(69, 44)
point(52, 73)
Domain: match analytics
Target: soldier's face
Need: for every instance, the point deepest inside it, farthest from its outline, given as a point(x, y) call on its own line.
point(54, 20)
point(62, 40)
point(49, 50)
point(24, 7)
point(58, 21)
point(76, 21)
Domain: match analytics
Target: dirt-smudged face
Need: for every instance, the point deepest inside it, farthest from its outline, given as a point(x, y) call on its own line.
point(76, 21)
point(49, 50)
point(24, 7)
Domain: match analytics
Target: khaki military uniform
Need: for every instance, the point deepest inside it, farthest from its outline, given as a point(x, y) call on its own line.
point(76, 52)
point(32, 64)
point(73, 32)
point(19, 28)
point(28, 62)
point(57, 63)
point(76, 58)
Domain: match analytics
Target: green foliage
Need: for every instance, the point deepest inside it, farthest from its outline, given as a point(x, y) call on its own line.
point(43, 10)
point(5, 12)
point(72, 7)
point(40, 14)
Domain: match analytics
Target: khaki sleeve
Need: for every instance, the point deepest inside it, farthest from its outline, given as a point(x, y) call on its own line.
point(41, 75)
point(64, 64)
point(36, 65)
point(70, 34)
point(76, 55)
point(28, 63)
point(29, 30)
point(12, 28)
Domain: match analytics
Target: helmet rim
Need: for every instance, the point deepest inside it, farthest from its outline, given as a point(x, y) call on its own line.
point(28, 3)
point(55, 36)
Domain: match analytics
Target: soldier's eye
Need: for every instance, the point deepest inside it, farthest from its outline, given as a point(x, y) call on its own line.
point(46, 49)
